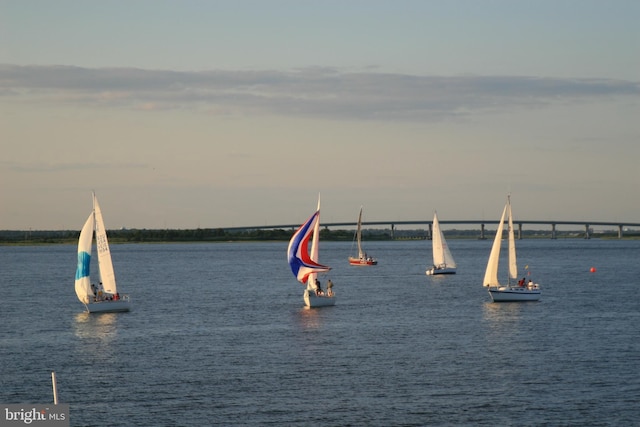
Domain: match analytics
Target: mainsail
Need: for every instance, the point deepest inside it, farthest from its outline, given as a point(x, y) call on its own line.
point(107, 275)
point(359, 235)
point(513, 266)
point(441, 253)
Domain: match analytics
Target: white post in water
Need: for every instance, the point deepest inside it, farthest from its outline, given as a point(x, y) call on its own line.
point(55, 387)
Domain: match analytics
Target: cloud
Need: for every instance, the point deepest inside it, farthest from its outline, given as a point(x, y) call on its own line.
point(309, 92)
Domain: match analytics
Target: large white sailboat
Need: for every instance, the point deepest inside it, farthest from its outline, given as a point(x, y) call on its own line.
point(104, 297)
point(511, 291)
point(443, 262)
point(362, 259)
point(304, 263)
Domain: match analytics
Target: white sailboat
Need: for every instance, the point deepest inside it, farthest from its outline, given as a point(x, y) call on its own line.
point(104, 298)
point(362, 259)
point(511, 291)
point(443, 262)
point(304, 264)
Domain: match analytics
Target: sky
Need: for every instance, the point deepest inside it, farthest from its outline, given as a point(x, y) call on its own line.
point(206, 114)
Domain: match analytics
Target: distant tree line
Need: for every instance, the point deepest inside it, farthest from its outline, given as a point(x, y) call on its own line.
point(222, 235)
point(179, 235)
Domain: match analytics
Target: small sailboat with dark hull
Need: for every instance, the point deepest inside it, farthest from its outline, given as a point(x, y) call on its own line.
point(362, 259)
point(443, 262)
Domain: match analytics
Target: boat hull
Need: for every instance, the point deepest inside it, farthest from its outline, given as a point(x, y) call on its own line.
point(362, 262)
point(109, 306)
point(433, 271)
point(514, 294)
point(313, 300)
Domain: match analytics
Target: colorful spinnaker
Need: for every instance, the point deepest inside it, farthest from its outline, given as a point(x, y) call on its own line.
point(301, 263)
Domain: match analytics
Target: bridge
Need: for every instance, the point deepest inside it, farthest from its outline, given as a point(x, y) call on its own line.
point(518, 224)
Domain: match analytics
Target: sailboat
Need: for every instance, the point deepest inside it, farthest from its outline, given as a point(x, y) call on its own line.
point(304, 263)
point(511, 291)
point(443, 262)
point(362, 259)
point(104, 298)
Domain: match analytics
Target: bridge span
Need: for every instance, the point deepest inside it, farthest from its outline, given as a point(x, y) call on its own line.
point(587, 225)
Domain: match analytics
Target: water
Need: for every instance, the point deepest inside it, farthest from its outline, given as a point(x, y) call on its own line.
point(218, 336)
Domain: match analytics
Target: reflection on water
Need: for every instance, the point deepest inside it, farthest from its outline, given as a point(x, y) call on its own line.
point(498, 312)
point(102, 326)
point(96, 333)
point(309, 318)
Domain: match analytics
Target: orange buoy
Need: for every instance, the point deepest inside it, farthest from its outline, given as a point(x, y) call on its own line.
point(593, 269)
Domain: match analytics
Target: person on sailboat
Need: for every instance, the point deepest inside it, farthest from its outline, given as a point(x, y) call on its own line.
point(318, 288)
point(329, 288)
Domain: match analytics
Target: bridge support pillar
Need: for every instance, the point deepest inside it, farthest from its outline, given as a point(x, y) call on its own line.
point(520, 231)
point(392, 228)
point(430, 233)
point(586, 231)
point(553, 232)
point(619, 232)
point(482, 232)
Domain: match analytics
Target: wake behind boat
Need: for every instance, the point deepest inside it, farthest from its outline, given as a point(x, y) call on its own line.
point(443, 262)
point(105, 297)
point(509, 292)
point(304, 264)
point(362, 259)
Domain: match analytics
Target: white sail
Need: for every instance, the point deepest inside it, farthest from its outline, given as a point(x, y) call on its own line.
point(315, 244)
point(107, 275)
point(359, 235)
point(441, 253)
point(513, 266)
point(491, 274)
point(83, 279)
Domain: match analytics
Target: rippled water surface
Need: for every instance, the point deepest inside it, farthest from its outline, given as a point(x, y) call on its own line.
point(218, 336)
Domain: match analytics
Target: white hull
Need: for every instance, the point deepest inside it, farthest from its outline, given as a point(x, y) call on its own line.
point(445, 270)
point(109, 306)
point(313, 300)
point(514, 294)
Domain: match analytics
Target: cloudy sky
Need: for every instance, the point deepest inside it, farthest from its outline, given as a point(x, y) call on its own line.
point(184, 114)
